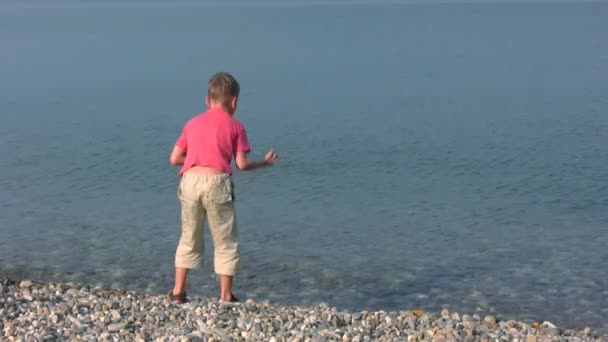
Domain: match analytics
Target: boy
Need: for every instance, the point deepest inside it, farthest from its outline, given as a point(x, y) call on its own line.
point(205, 149)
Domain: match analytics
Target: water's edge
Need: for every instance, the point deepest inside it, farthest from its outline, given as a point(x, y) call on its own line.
point(56, 310)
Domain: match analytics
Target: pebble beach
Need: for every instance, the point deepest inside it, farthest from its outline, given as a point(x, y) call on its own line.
point(33, 311)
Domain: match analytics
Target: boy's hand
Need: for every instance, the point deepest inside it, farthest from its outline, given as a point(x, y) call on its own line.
point(271, 157)
point(243, 163)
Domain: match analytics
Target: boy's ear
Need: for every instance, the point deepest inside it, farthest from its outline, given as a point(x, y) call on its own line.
point(234, 102)
point(207, 101)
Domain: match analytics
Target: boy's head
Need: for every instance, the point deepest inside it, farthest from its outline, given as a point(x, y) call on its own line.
point(223, 91)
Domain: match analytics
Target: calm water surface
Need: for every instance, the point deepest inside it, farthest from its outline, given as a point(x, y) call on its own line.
point(434, 155)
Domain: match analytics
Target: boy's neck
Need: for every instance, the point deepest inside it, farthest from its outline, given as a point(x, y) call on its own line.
point(219, 106)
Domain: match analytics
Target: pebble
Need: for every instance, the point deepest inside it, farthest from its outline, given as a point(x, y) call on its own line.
point(72, 312)
point(54, 319)
point(115, 315)
point(490, 320)
point(467, 318)
point(116, 327)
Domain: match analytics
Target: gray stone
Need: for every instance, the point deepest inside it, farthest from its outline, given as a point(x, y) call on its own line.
point(77, 330)
point(552, 331)
point(116, 327)
point(412, 325)
point(347, 318)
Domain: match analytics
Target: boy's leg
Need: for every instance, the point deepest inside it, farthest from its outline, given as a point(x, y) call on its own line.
point(180, 280)
point(226, 287)
point(222, 224)
point(189, 253)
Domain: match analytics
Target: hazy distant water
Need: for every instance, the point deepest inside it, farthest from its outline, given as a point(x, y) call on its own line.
point(433, 154)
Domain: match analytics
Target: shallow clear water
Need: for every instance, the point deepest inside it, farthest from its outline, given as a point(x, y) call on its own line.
point(434, 155)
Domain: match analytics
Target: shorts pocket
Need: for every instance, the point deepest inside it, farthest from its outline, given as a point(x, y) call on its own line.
point(219, 198)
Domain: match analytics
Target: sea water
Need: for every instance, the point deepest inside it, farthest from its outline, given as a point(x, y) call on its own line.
point(444, 154)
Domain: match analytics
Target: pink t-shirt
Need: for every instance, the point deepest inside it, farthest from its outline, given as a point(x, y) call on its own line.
point(212, 139)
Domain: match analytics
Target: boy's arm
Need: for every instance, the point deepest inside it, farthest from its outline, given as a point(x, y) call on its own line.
point(177, 156)
point(243, 163)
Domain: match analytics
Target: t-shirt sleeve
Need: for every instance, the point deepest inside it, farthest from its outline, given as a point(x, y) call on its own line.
point(181, 141)
point(242, 143)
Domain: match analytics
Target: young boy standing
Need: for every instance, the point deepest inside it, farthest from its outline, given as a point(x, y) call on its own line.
point(205, 149)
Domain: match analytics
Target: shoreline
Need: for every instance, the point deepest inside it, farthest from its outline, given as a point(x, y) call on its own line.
point(47, 311)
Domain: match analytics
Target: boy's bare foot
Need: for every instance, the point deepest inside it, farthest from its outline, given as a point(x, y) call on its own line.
point(178, 298)
point(231, 299)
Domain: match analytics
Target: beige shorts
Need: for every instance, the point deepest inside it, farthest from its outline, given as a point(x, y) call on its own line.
point(208, 197)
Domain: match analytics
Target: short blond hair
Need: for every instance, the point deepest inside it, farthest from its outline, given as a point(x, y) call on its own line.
point(223, 87)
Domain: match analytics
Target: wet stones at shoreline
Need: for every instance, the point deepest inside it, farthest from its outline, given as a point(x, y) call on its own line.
point(54, 311)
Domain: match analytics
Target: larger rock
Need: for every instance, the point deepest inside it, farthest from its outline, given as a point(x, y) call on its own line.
point(25, 284)
point(547, 324)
